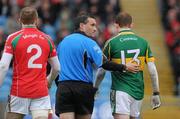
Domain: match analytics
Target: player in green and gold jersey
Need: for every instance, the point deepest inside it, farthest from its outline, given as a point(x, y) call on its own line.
point(127, 90)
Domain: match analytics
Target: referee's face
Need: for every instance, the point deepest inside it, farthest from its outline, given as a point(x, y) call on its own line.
point(90, 27)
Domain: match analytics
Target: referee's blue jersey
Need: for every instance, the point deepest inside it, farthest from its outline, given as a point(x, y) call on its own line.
point(77, 53)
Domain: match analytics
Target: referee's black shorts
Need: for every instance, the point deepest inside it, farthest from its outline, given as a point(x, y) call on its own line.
point(75, 96)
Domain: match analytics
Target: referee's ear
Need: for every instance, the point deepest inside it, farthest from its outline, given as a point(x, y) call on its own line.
point(81, 27)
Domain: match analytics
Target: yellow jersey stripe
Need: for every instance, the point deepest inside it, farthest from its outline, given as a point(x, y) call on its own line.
point(141, 59)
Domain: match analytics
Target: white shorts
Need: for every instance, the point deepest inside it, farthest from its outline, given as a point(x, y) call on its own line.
point(123, 103)
point(26, 105)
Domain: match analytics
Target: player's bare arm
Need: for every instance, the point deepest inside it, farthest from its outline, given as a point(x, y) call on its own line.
point(155, 99)
point(99, 77)
point(4, 65)
point(55, 68)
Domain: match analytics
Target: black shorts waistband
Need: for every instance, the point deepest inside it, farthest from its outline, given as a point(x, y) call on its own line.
point(76, 81)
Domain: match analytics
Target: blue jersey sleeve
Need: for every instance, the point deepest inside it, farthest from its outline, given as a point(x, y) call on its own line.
point(95, 53)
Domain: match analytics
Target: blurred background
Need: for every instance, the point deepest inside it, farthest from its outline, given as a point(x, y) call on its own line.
point(158, 21)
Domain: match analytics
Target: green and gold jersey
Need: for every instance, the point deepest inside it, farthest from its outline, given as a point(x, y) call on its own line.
point(123, 48)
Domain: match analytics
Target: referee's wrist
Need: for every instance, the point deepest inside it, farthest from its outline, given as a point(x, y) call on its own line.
point(124, 67)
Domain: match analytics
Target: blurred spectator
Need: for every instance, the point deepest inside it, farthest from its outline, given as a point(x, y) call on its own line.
point(49, 29)
point(56, 16)
point(5, 7)
point(62, 32)
point(12, 23)
point(2, 40)
point(3, 21)
point(171, 22)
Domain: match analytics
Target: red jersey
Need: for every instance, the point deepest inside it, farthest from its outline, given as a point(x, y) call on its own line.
point(30, 49)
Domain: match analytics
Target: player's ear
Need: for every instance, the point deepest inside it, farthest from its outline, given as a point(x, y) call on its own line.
point(131, 25)
point(36, 21)
point(117, 27)
point(19, 20)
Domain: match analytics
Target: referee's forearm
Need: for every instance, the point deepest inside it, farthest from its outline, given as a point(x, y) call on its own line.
point(112, 66)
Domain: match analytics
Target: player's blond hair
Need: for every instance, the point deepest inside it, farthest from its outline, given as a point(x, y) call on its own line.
point(28, 15)
point(123, 19)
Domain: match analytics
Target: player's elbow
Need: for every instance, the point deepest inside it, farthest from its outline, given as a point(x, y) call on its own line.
point(152, 68)
point(3, 67)
point(100, 74)
point(56, 69)
point(100, 77)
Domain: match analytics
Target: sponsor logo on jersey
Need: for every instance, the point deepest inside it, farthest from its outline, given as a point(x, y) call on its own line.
point(126, 39)
point(30, 36)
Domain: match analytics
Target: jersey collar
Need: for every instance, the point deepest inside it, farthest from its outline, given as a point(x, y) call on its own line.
point(29, 26)
point(83, 33)
point(125, 31)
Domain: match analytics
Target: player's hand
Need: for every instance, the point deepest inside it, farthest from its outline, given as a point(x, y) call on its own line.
point(49, 84)
point(155, 101)
point(132, 67)
point(96, 92)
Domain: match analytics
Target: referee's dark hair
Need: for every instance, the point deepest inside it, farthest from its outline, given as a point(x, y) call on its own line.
point(123, 19)
point(81, 18)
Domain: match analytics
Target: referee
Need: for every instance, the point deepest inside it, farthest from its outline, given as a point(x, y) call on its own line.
point(78, 53)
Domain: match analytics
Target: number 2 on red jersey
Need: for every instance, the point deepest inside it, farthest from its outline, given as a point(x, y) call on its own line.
point(35, 56)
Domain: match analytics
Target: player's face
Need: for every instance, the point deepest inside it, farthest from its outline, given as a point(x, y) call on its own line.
point(117, 28)
point(90, 27)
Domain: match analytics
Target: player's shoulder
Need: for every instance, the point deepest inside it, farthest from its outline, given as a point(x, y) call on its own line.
point(13, 35)
point(44, 35)
point(141, 39)
point(112, 39)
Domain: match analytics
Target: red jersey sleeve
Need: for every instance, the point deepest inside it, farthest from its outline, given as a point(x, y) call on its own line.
point(8, 48)
point(52, 47)
point(53, 52)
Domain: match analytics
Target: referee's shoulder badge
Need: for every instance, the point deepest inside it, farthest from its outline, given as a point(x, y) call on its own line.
point(97, 49)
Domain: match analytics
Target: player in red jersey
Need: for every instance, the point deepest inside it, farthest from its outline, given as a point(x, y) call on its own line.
point(30, 49)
